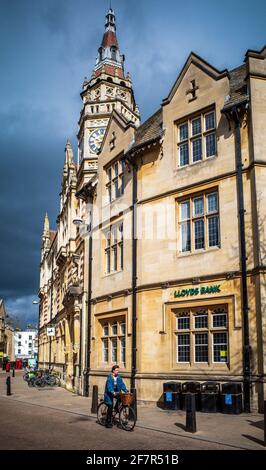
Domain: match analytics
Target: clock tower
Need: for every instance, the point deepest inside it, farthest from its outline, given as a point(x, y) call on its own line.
point(108, 89)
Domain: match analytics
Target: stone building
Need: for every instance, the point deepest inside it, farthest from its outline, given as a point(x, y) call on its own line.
point(61, 284)
point(173, 283)
point(7, 348)
point(64, 272)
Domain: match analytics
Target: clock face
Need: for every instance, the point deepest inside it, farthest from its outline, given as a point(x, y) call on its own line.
point(95, 139)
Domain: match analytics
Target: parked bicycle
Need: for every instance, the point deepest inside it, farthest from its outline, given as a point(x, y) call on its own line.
point(40, 378)
point(28, 372)
point(123, 414)
point(47, 379)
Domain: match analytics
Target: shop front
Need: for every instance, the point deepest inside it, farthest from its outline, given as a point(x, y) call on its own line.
point(189, 333)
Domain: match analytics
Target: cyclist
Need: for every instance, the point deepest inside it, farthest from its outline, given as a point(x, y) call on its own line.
point(114, 385)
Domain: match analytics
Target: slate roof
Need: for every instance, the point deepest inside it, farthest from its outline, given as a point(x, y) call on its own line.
point(149, 130)
point(152, 127)
point(238, 87)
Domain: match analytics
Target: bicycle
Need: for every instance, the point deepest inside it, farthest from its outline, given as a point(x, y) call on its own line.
point(28, 372)
point(47, 378)
point(127, 417)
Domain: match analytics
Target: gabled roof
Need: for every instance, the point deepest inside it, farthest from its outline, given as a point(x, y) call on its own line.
point(88, 189)
point(120, 120)
point(150, 129)
point(238, 92)
point(200, 63)
point(256, 54)
point(147, 134)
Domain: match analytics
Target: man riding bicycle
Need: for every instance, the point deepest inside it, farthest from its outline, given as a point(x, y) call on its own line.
point(114, 385)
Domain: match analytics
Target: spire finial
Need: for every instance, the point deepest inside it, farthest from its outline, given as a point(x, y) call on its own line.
point(69, 157)
point(108, 52)
point(46, 225)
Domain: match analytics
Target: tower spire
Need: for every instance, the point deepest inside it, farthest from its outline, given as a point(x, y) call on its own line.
point(46, 225)
point(107, 90)
point(109, 58)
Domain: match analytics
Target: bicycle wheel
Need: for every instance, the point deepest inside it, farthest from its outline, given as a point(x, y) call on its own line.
point(51, 381)
point(127, 418)
point(40, 382)
point(102, 413)
point(31, 382)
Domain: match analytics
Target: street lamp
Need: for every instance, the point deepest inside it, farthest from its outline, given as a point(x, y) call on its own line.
point(86, 228)
point(78, 222)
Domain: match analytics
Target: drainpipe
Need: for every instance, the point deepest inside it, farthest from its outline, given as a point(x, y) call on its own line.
point(243, 255)
point(80, 340)
point(51, 309)
point(134, 275)
point(88, 365)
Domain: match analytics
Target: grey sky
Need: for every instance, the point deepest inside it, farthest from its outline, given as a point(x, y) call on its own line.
point(47, 47)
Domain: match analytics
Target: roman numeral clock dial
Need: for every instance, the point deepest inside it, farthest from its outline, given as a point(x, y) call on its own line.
point(95, 139)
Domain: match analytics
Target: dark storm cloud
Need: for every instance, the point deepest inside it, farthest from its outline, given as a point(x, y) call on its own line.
point(30, 182)
point(46, 49)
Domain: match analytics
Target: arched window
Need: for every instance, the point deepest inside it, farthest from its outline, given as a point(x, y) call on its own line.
point(109, 79)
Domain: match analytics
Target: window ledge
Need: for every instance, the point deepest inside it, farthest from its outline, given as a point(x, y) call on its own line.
point(198, 252)
point(112, 273)
point(202, 161)
point(112, 203)
point(201, 366)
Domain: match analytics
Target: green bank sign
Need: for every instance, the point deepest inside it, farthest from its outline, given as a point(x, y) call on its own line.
point(197, 291)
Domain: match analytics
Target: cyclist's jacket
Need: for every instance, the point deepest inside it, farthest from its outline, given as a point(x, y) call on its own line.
point(110, 388)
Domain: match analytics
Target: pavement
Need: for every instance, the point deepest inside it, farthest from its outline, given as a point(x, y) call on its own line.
point(155, 428)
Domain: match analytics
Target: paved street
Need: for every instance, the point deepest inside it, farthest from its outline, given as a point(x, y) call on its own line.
point(25, 426)
point(56, 419)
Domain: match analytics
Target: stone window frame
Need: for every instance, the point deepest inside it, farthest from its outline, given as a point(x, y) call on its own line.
point(115, 179)
point(109, 336)
point(192, 218)
point(189, 139)
point(114, 248)
point(210, 330)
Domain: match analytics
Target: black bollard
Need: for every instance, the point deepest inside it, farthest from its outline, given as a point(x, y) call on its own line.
point(191, 425)
point(134, 404)
point(94, 403)
point(8, 386)
point(265, 423)
point(13, 373)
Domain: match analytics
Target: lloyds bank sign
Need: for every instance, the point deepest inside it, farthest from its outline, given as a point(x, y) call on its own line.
point(193, 291)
